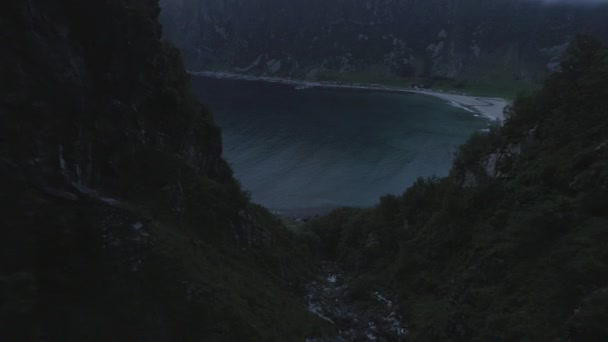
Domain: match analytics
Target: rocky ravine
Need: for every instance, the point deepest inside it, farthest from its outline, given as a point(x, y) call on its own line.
point(329, 298)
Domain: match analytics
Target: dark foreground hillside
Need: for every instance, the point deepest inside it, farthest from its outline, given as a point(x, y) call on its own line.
point(119, 218)
point(512, 245)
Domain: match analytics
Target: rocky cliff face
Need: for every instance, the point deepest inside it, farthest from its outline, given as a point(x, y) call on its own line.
point(463, 39)
point(91, 89)
point(120, 219)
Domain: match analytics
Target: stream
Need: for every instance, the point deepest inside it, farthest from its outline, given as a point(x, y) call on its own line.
point(375, 320)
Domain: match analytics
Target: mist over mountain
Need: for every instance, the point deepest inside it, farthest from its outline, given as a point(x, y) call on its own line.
point(494, 43)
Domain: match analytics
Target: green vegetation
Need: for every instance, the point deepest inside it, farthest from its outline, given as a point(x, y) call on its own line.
point(511, 245)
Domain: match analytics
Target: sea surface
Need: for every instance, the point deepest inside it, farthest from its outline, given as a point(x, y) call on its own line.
point(304, 151)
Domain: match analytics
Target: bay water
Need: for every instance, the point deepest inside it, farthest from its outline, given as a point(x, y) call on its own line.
point(304, 151)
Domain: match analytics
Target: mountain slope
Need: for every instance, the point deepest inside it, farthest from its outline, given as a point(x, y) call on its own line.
point(469, 44)
point(120, 219)
point(511, 245)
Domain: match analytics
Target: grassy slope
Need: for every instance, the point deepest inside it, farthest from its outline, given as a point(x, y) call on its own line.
point(516, 253)
point(500, 83)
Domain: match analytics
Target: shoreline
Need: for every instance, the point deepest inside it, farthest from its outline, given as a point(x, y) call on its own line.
point(489, 107)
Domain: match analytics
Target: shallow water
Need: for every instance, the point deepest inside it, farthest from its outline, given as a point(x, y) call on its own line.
point(304, 151)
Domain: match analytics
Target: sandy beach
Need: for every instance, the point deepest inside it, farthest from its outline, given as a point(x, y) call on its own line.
point(490, 107)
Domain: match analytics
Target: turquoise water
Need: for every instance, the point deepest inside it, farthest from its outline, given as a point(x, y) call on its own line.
point(305, 151)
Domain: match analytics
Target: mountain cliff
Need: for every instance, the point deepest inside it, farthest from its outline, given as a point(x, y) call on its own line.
point(469, 44)
point(120, 219)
